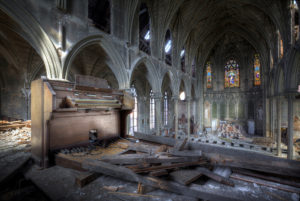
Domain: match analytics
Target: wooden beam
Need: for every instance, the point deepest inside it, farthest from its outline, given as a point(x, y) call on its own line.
point(179, 145)
point(215, 177)
point(158, 173)
point(85, 178)
point(185, 177)
point(127, 159)
point(235, 157)
point(265, 183)
point(128, 175)
point(167, 167)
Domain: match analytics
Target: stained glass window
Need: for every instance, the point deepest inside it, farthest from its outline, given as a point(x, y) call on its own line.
point(256, 70)
point(208, 75)
point(232, 74)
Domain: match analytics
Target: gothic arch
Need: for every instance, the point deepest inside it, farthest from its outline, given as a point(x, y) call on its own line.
point(117, 64)
point(30, 30)
point(153, 77)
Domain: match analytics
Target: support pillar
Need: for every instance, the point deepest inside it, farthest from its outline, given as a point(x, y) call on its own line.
point(290, 128)
point(227, 109)
point(188, 100)
point(158, 111)
point(279, 126)
point(175, 99)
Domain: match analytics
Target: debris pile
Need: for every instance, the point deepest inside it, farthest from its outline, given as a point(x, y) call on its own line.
point(15, 136)
point(168, 165)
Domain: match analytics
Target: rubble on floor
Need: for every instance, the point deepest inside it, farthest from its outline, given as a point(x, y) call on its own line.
point(14, 137)
point(137, 169)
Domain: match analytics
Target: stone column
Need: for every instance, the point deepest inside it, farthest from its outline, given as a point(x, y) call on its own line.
point(175, 99)
point(188, 100)
point(218, 110)
point(279, 126)
point(157, 98)
point(274, 118)
point(271, 117)
point(227, 109)
point(290, 127)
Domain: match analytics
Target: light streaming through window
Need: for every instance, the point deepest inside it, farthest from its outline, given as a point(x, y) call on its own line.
point(182, 96)
point(182, 53)
point(147, 35)
point(168, 46)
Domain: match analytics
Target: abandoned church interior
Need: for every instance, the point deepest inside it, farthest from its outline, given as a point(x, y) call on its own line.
point(149, 100)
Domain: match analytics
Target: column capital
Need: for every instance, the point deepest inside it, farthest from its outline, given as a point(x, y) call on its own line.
point(175, 97)
point(157, 95)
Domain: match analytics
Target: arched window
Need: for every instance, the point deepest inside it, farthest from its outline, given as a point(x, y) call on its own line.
point(208, 75)
point(256, 70)
point(152, 111)
point(232, 74)
point(99, 13)
point(281, 49)
point(182, 59)
point(168, 48)
point(144, 29)
point(134, 114)
point(166, 108)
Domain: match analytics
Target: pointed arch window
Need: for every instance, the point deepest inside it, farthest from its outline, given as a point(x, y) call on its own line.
point(152, 110)
point(134, 114)
point(257, 80)
point(168, 48)
point(208, 75)
point(99, 13)
point(232, 74)
point(182, 59)
point(166, 108)
point(144, 29)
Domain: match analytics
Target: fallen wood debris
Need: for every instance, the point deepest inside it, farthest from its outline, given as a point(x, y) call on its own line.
point(167, 167)
point(185, 177)
point(215, 177)
point(129, 175)
point(265, 183)
point(127, 159)
point(236, 158)
point(178, 172)
point(179, 145)
point(6, 125)
point(85, 178)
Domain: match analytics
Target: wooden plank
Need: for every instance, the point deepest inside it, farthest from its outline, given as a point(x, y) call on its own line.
point(6, 127)
point(268, 178)
point(128, 175)
point(67, 163)
point(186, 153)
point(127, 159)
point(235, 157)
point(167, 167)
point(185, 177)
point(179, 145)
point(85, 178)
point(158, 173)
point(215, 177)
point(265, 183)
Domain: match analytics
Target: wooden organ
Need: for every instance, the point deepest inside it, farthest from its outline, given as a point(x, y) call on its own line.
point(63, 114)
